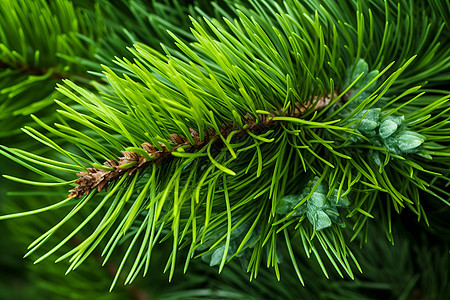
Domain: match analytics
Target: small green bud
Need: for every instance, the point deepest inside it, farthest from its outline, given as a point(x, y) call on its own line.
point(387, 128)
point(409, 140)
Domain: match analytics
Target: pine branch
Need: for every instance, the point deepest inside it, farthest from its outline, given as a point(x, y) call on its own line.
point(135, 161)
point(276, 187)
point(54, 72)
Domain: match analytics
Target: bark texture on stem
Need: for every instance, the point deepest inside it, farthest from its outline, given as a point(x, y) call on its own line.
point(99, 179)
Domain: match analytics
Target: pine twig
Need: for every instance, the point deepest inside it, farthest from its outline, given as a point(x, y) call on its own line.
point(131, 161)
point(35, 71)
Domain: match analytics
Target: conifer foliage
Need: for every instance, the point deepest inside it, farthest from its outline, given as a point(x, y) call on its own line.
point(249, 133)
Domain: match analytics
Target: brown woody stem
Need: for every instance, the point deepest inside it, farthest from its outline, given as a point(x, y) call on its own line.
point(131, 162)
